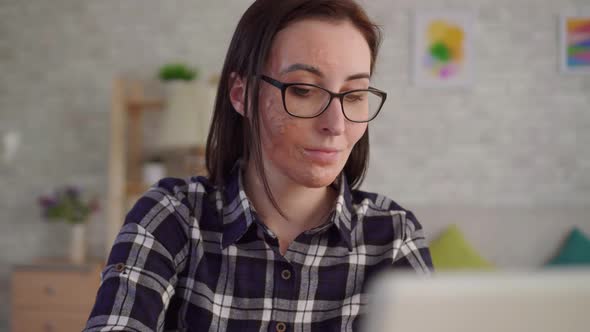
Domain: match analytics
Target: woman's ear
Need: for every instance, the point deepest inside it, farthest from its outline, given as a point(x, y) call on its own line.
point(237, 91)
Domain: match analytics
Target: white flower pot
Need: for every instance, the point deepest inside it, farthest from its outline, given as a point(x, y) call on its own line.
point(153, 172)
point(77, 252)
point(185, 121)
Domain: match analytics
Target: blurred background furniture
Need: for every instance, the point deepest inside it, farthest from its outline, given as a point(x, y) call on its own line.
point(53, 296)
point(154, 121)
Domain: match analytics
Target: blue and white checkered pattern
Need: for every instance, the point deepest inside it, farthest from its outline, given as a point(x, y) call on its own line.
point(193, 257)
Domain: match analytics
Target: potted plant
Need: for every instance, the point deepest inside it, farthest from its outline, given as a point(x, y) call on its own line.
point(68, 204)
point(189, 103)
point(177, 72)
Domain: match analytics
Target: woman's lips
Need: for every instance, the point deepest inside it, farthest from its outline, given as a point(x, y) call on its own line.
point(324, 156)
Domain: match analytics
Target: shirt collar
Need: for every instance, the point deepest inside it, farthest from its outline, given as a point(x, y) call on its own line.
point(343, 217)
point(239, 213)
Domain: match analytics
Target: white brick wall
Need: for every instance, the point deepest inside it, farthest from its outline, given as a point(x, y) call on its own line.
point(514, 138)
point(518, 137)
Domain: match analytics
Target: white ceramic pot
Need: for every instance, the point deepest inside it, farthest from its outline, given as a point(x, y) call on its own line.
point(152, 172)
point(185, 121)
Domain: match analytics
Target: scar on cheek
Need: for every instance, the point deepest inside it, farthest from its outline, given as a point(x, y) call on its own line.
point(289, 127)
point(279, 124)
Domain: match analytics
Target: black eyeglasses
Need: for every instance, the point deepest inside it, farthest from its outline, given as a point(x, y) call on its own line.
point(304, 100)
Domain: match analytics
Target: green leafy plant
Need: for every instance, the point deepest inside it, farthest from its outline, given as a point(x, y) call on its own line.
point(177, 71)
point(66, 203)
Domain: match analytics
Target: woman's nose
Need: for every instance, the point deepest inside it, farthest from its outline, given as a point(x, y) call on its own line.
point(332, 121)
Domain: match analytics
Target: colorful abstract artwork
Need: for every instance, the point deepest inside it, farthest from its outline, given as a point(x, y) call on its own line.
point(443, 49)
point(575, 43)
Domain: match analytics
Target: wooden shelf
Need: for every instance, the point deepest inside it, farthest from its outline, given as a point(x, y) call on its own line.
point(134, 189)
point(145, 104)
point(127, 153)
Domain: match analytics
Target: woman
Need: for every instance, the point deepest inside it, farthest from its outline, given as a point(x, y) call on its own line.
point(275, 238)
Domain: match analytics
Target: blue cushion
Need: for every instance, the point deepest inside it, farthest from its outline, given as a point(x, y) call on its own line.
point(575, 250)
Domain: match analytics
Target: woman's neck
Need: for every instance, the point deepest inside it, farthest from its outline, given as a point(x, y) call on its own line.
point(303, 208)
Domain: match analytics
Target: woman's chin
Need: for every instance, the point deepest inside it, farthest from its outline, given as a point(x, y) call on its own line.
point(318, 176)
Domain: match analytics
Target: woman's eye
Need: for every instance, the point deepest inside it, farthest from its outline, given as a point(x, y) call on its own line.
point(354, 97)
point(299, 91)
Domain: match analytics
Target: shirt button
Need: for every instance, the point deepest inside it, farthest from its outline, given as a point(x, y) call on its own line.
point(286, 274)
point(281, 327)
point(119, 267)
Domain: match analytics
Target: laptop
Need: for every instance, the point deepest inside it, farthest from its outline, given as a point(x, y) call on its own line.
point(517, 301)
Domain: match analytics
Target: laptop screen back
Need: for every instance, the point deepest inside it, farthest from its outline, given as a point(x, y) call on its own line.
point(543, 301)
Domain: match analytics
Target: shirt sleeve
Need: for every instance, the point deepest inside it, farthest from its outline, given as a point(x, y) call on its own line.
point(141, 273)
point(413, 252)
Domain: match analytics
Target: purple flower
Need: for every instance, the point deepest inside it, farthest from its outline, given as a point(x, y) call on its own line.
point(72, 192)
point(66, 203)
point(94, 205)
point(47, 202)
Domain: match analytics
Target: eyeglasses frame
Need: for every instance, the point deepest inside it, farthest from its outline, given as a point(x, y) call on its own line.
point(284, 86)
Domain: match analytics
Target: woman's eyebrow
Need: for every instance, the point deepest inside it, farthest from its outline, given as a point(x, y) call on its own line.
point(316, 71)
point(304, 67)
point(358, 76)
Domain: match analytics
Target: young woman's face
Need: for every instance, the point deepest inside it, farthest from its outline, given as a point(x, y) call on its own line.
point(334, 55)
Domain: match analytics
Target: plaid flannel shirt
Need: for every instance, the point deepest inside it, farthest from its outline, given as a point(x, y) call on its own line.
point(193, 257)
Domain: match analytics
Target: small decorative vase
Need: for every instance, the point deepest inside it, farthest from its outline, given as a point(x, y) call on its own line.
point(153, 171)
point(77, 253)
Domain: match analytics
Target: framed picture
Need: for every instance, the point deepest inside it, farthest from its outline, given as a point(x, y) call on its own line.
point(443, 49)
point(575, 43)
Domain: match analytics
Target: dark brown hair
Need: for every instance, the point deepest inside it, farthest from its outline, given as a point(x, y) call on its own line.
point(233, 137)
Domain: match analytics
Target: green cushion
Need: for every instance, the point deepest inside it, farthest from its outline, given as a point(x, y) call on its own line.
point(451, 251)
point(575, 250)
